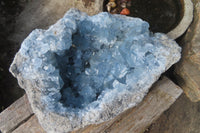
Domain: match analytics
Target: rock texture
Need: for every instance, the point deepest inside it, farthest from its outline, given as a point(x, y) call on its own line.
point(188, 70)
point(43, 13)
point(85, 70)
point(182, 117)
point(185, 21)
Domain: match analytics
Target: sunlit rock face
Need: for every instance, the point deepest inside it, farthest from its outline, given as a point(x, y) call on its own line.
point(87, 69)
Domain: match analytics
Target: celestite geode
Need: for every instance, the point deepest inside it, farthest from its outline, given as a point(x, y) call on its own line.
point(87, 69)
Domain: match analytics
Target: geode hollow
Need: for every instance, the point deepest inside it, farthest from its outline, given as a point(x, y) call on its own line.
point(87, 69)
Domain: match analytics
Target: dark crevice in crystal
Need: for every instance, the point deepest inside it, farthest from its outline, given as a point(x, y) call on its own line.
point(72, 65)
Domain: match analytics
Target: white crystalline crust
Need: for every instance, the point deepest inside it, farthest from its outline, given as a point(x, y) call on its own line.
point(87, 69)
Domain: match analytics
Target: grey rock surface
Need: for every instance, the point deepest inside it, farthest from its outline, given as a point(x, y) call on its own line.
point(185, 22)
point(87, 69)
point(187, 71)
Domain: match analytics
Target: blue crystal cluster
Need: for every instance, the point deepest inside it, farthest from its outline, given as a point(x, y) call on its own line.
point(83, 61)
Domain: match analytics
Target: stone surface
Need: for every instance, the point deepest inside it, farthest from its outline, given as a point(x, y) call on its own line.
point(182, 117)
point(43, 13)
point(85, 70)
point(30, 126)
point(188, 69)
point(11, 117)
point(185, 21)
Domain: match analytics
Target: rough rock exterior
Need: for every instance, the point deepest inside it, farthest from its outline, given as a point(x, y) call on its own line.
point(43, 13)
point(188, 70)
point(87, 69)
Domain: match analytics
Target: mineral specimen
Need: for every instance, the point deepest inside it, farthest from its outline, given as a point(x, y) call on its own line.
point(87, 69)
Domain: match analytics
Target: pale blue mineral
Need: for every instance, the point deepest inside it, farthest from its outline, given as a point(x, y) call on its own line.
point(88, 69)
